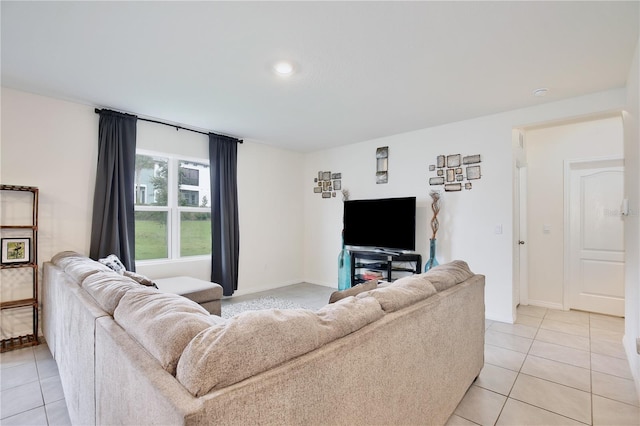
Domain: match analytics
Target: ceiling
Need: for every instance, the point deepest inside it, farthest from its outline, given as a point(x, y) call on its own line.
point(363, 69)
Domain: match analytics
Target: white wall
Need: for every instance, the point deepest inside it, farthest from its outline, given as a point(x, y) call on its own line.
point(52, 144)
point(468, 219)
point(631, 118)
point(547, 149)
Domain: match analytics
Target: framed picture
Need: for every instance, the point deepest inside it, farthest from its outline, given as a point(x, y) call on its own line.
point(326, 175)
point(440, 172)
point(451, 187)
point(459, 178)
point(450, 175)
point(440, 161)
point(326, 195)
point(317, 190)
point(337, 185)
point(473, 172)
point(453, 160)
point(468, 185)
point(432, 167)
point(436, 181)
point(471, 159)
point(336, 176)
point(16, 250)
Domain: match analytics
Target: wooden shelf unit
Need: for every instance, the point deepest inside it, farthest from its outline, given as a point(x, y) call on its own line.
point(16, 342)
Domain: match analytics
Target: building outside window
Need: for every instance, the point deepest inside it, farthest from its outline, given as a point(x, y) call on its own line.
point(172, 210)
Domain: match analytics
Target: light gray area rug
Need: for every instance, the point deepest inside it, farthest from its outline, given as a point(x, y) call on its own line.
point(265, 302)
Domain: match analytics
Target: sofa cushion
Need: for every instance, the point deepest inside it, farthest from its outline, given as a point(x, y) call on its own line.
point(76, 265)
point(353, 291)
point(256, 341)
point(162, 323)
point(449, 274)
point(140, 279)
point(402, 292)
point(113, 262)
point(107, 288)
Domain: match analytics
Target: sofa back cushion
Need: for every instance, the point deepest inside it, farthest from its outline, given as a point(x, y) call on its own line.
point(107, 288)
point(256, 341)
point(449, 274)
point(77, 266)
point(163, 323)
point(353, 291)
point(402, 292)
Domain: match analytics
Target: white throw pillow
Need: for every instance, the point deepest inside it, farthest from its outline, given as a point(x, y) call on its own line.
point(114, 263)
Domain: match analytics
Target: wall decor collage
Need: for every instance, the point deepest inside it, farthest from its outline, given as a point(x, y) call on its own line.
point(455, 171)
point(327, 184)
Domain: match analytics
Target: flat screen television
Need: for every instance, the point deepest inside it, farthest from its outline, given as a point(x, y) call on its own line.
point(387, 223)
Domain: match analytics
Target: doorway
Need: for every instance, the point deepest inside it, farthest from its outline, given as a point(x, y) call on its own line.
point(554, 156)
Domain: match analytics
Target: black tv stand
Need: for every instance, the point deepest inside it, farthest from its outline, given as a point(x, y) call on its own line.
point(390, 265)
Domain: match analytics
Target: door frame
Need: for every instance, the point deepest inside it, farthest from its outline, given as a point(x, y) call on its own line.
point(523, 250)
point(568, 166)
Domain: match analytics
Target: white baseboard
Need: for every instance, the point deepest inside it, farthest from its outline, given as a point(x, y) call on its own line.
point(545, 304)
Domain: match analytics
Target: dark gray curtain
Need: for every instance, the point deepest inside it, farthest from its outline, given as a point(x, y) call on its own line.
point(112, 229)
point(225, 236)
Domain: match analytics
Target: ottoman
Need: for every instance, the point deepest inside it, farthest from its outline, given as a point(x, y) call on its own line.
point(205, 293)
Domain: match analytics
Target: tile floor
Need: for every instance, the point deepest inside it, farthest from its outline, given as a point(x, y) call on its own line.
point(550, 368)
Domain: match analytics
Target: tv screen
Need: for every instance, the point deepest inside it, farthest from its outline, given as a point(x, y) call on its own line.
point(388, 223)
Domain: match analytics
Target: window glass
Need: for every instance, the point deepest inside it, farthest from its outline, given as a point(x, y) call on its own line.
point(151, 235)
point(194, 186)
point(151, 180)
point(195, 233)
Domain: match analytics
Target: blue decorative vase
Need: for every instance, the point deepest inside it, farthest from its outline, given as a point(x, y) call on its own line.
point(432, 255)
point(344, 269)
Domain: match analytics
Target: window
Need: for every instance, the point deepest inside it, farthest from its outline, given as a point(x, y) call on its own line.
point(172, 212)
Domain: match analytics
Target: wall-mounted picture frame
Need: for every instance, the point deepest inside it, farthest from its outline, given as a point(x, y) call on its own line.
point(337, 185)
point(436, 181)
point(440, 161)
point(459, 171)
point(317, 190)
point(453, 160)
point(451, 187)
point(451, 177)
point(16, 250)
point(459, 178)
point(471, 159)
point(319, 175)
point(335, 176)
point(473, 172)
point(326, 175)
point(468, 185)
point(440, 172)
point(432, 167)
point(326, 195)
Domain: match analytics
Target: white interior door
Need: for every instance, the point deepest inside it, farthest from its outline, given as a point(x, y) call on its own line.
point(596, 237)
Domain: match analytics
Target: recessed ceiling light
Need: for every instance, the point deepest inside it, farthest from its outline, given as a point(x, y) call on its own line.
point(540, 92)
point(283, 68)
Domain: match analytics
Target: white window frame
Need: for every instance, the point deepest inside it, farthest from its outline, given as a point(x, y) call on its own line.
point(172, 208)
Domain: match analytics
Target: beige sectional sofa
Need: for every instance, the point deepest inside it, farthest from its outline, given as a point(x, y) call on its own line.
point(127, 354)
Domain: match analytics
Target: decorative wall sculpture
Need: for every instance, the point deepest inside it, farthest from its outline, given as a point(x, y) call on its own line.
point(452, 170)
point(382, 164)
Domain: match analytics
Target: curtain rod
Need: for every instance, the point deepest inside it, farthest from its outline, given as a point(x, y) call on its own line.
point(98, 111)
